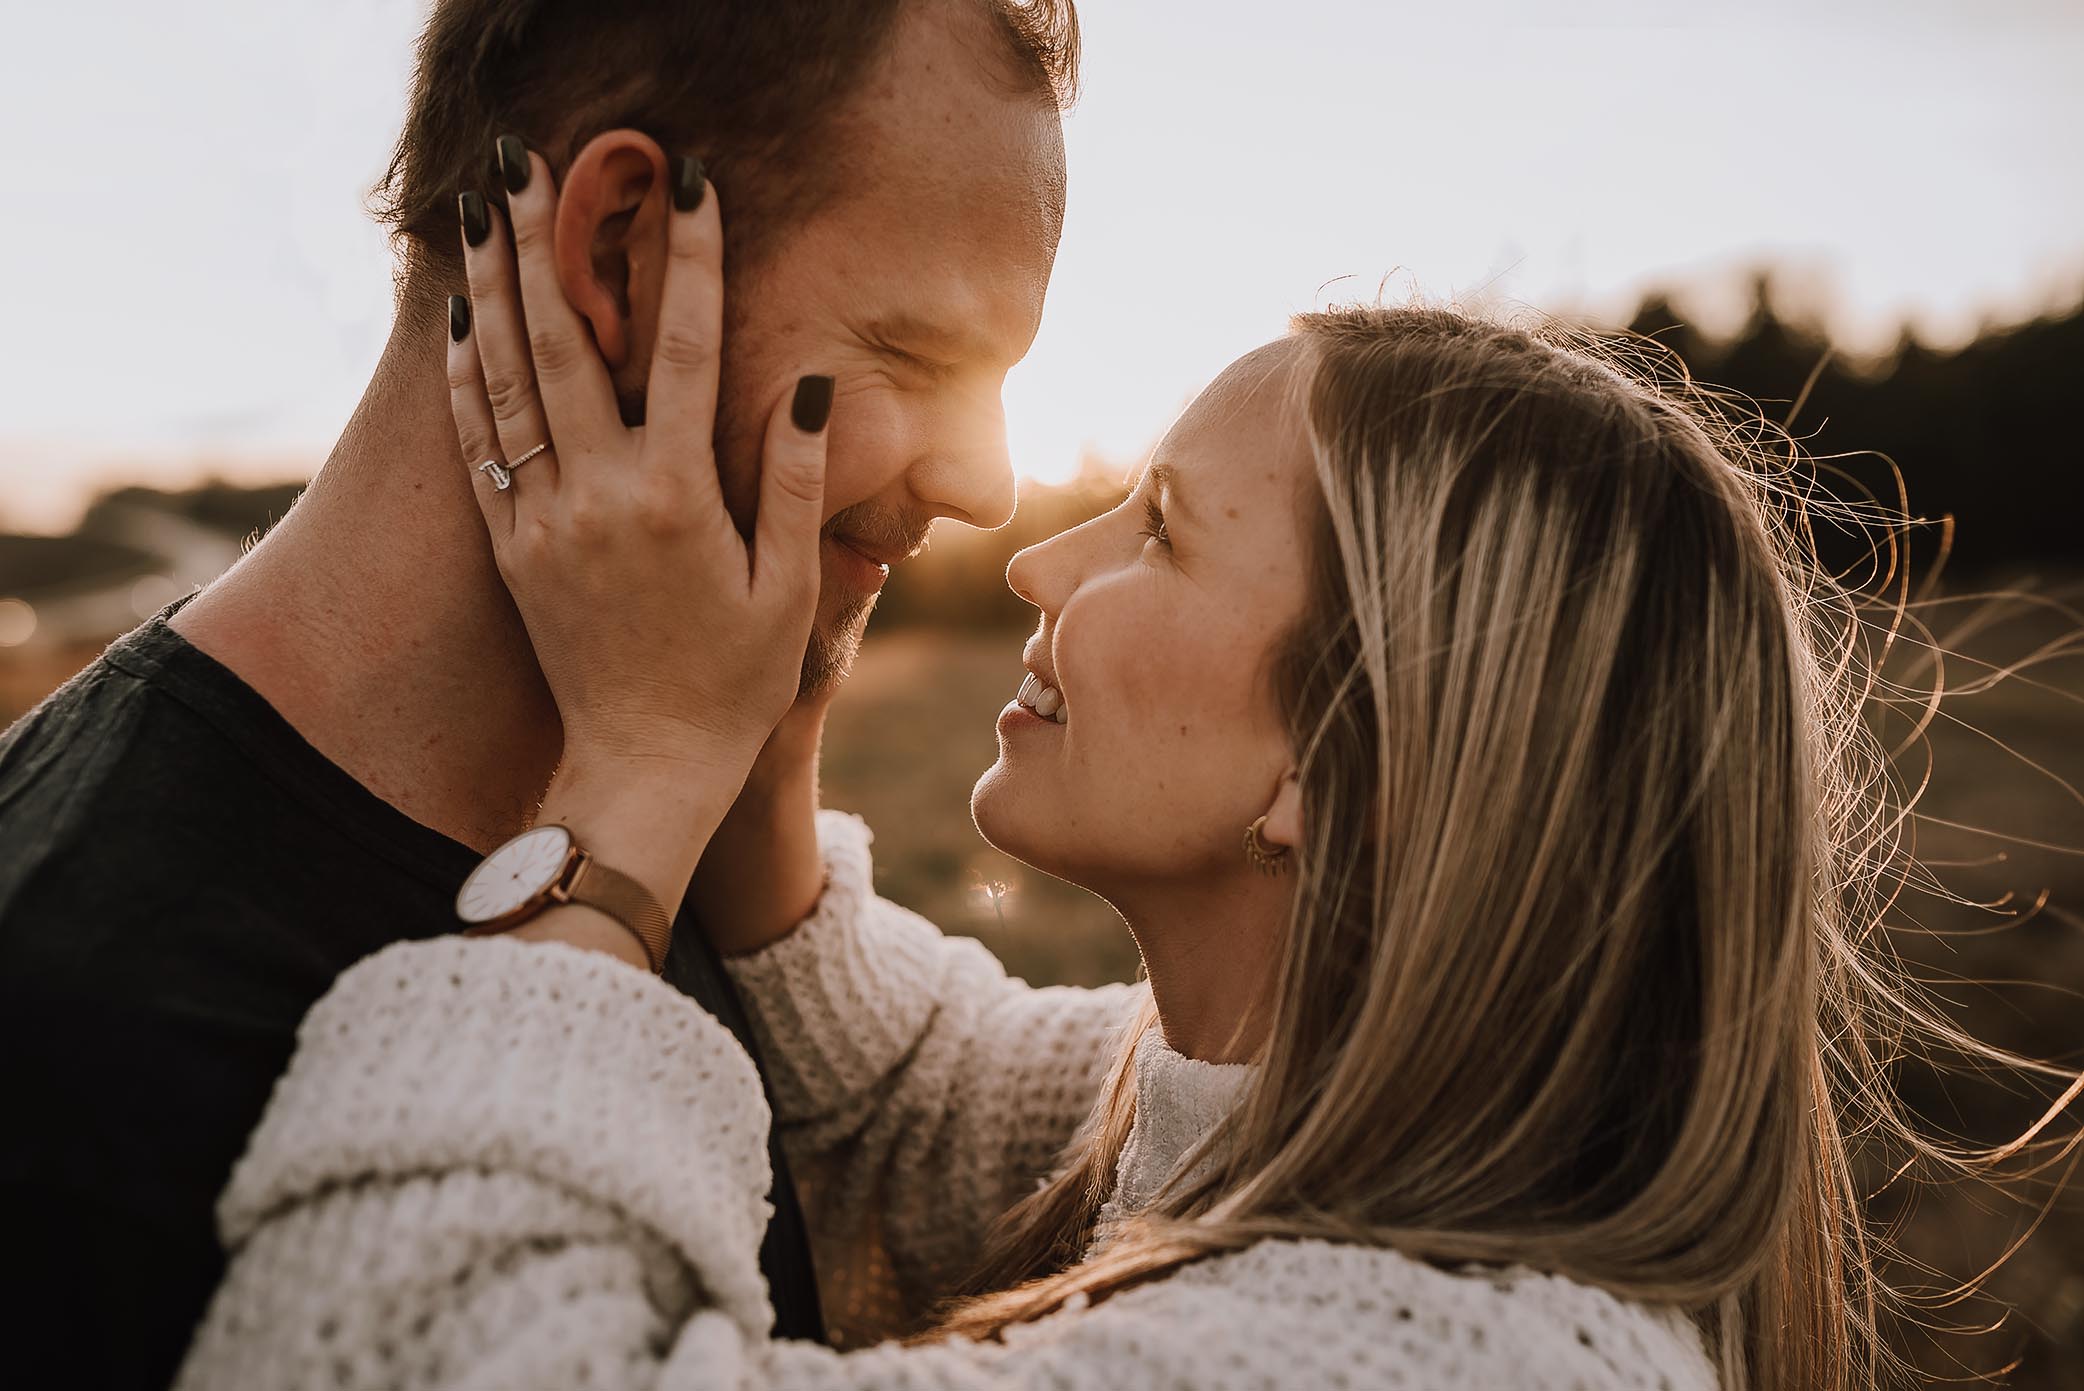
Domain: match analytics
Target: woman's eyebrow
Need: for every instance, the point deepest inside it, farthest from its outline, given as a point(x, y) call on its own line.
point(1167, 477)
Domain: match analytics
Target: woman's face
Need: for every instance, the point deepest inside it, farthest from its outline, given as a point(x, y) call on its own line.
point(1156, 618)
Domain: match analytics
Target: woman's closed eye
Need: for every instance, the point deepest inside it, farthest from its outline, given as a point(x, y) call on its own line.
point(1154, 522)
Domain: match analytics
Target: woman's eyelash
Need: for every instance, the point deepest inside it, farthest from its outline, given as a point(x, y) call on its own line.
point(1154, 523)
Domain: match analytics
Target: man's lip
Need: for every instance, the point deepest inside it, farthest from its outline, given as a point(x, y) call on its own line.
point(871, 554)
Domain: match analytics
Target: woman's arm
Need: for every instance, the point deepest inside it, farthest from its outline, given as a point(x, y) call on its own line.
point(501, 1164)
point(761, 873)
point(921, 1089)
point(671, 641)
point(497, 1164)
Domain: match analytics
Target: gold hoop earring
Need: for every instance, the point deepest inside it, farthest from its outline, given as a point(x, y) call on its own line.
point(1264, 857)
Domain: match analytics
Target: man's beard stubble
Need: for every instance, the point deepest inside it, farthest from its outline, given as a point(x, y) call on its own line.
point(835, 637)
point(833, 643)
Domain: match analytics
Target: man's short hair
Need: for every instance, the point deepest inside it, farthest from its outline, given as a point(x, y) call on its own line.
point(748, 85)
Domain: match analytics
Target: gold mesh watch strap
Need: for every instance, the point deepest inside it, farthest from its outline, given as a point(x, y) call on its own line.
point(629, 903)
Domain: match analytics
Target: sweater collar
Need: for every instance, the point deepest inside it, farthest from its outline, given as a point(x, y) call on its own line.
point(1178, 1101)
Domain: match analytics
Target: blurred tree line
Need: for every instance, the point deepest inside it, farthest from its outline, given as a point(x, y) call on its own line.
point(1986, 434)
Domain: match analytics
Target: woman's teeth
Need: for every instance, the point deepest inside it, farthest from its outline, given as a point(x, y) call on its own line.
point(1044, 699)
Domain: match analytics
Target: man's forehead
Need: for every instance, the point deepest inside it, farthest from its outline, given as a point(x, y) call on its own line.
point(948, 123)
point(960, 255)
point(948, 192)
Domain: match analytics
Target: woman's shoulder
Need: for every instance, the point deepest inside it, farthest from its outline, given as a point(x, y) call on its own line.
point(1311, 1312)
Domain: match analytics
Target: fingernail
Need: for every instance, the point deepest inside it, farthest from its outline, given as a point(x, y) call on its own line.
point(813, 404)
point(459, 318)
point(687, 183)
point(476, 225)
point(513, 162)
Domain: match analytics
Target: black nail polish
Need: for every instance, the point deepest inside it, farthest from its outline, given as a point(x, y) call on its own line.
point(687, 183)
point(477, 225)
point(813, 404)
point(459, 318)
point(513, 162)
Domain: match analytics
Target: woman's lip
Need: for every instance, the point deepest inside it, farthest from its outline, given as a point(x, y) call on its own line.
point(1015, 715)
point(868, 573)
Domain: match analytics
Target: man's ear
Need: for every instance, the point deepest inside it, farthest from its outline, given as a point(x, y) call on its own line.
point(611, 245)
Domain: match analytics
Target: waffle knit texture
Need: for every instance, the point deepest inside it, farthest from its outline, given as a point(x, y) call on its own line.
point(494, 1163)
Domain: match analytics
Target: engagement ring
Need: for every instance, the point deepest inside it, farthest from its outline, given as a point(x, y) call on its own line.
point(503, 474)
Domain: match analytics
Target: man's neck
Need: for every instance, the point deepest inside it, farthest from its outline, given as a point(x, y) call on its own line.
point(373, 619)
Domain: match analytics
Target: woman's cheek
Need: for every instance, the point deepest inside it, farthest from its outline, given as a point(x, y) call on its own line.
point(1133, 686)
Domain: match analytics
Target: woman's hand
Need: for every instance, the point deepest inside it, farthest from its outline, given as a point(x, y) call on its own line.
point(671, 649)
point(662, 637)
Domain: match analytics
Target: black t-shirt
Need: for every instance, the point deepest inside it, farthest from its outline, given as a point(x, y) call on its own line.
point(181, 877)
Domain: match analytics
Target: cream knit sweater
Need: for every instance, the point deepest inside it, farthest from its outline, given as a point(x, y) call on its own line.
point(501, 1164)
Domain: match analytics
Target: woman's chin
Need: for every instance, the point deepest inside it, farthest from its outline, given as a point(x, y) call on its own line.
point(988, 799)
point(1009, 823)
point(1030, 831)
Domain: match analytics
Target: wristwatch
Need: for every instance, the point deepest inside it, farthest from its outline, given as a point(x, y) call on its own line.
point(545, 866)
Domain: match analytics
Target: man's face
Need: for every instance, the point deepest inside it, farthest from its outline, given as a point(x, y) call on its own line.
point(917, 287)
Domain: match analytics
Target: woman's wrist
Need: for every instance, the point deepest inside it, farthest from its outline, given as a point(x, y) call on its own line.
point(576, 925)
point(648, 819)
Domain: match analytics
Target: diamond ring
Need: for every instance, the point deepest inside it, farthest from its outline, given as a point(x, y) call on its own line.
point(503, 474)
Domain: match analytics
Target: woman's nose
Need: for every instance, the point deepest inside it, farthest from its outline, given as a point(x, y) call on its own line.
point(1046, 573)
point(1030, 572)
point(1020, 574)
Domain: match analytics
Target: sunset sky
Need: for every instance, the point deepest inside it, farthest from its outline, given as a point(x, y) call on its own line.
point(192, 283)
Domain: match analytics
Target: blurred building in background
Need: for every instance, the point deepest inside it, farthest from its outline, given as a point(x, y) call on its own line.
point(64, 598)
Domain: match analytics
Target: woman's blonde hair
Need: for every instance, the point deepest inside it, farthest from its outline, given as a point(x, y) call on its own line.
point(1582, 971)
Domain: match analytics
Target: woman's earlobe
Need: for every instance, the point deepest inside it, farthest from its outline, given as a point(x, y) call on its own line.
point(1284, 826)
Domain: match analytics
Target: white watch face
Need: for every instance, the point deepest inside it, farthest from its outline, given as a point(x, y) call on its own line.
point(513, 874)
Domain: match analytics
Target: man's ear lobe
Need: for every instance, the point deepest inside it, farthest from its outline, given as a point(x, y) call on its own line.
point(611, 240)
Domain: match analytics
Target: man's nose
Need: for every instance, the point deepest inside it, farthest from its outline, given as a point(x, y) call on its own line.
point(967, 471)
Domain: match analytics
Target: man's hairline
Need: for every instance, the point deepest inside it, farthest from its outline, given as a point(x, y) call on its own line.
point(756, 256)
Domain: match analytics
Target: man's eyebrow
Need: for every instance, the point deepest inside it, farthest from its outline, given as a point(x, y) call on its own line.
point(904, 329)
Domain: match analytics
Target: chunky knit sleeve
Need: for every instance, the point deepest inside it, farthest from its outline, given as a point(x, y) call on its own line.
point(499, 1164)
point(919, 1090)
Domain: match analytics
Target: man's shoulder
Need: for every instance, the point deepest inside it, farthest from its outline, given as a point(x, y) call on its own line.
point(59, 760)
point(158, 882)
point(123, 805)
point(91, 796)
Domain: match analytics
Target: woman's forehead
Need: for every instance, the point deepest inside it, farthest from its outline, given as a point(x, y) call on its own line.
point(1249, 415)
